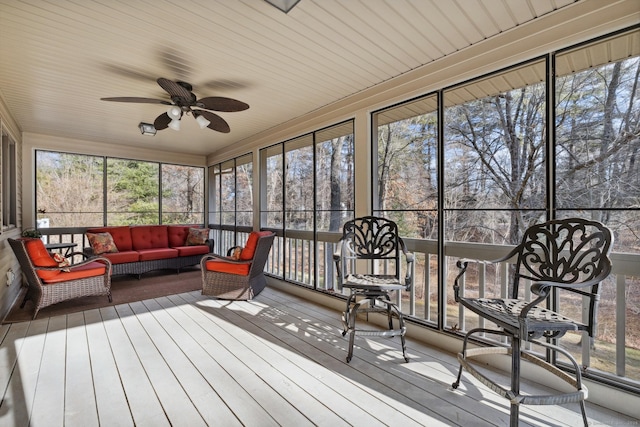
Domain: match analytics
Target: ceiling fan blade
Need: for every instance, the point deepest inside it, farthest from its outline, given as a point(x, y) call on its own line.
point(129, 72)
point(220, 103)
point(217, 122)
point(162, 121)
point(138, 100)
point(174, 89)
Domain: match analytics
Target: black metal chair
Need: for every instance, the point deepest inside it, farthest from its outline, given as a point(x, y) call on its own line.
point(570, 255)
point(375, 242)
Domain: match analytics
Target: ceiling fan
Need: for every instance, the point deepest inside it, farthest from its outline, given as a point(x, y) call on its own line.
point(184, 101)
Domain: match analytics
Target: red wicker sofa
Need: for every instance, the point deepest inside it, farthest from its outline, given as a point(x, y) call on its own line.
point(143, 248)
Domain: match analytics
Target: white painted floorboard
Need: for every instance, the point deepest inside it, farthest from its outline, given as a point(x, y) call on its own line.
point(188, 360)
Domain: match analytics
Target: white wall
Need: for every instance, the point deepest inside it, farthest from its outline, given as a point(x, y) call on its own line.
point(10, 290)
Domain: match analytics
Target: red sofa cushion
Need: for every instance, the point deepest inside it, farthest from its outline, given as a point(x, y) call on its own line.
point(121, 236)
point(252, 242)
point(227, 267)
point(122, 257)
point(40, 257)
point(177, 235)
point(192, 250)
point(157, 253)
point(149, 237)
point(88, 270)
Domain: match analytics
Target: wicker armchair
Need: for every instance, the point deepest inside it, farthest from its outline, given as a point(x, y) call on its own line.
point(48, 284)
point(238, 279)
point(568, 257)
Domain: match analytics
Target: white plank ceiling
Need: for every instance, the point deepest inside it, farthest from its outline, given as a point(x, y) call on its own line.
point(58, 58)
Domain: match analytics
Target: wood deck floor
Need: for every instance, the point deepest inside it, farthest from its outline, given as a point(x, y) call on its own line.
point(186, 360)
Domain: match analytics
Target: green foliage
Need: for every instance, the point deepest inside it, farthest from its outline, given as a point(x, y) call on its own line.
point(134, 180)
point(31, 232)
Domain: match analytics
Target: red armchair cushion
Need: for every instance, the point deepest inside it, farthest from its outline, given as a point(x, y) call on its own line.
point(40, 257)
point(250, 247)
point(121, 236)
point(88, 270)
point(149, 237)
point(227, 267)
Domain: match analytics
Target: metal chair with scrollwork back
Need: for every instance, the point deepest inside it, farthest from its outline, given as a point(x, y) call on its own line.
point(372, 242)
point(570, 255)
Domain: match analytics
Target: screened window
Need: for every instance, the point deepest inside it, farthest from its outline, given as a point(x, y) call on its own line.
point(307, 187)
point(69, 189)
point(406, 188)
point(407, 181)
point(494, 155)
point(597, 128)
point(244, 190)
point(596, 163)
point(231, 192)
point(334, 177)
point(228, 193)
point(133, 192)
point(299, 183)
point(272, 186)
point(182, 194)
point(74, 190)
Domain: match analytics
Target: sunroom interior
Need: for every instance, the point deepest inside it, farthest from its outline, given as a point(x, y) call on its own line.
point(463, 121)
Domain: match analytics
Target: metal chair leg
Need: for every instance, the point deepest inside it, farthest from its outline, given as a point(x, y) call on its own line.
point(514, 412)
point(403, 341)
point(456, 383)
point(353, 314)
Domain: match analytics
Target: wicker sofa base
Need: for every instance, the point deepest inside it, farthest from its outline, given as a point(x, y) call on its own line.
point(138, 268)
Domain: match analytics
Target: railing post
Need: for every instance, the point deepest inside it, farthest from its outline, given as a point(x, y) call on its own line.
point(461, 323)
point(427, 286)
point(621, 325)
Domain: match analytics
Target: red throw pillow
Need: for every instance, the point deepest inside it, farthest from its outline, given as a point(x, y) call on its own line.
point(101, 243)
point(197, 236)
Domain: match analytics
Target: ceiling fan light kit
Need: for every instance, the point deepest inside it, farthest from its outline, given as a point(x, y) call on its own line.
point(147, 128)
point(183, 101)
point(202, 121)
point(175, 112)
point(175, 124)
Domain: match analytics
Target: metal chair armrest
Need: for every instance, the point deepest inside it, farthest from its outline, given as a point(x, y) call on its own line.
point(337, 259)
point(544, 287)
point(462, 264)
point(509, 255)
